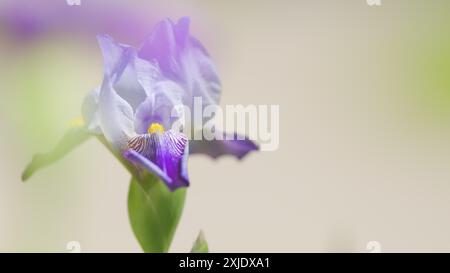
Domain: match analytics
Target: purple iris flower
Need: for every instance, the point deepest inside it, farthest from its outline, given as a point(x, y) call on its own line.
point(133, 107)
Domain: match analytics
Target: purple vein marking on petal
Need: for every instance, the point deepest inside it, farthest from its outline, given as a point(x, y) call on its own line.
point(162, 153)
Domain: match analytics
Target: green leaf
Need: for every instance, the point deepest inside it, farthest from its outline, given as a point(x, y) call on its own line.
point(200, 245)
point(72, 138)
point(154, 212)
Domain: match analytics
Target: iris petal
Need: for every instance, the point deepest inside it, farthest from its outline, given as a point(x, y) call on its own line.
point(121, 66)
point(115, 115)
point(183, 59)
point(163, 154)
point(115, 56)
point(158, 106)
point(237, 146)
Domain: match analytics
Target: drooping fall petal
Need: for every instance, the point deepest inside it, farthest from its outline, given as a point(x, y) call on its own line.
point(163, 154)
point(235, 145)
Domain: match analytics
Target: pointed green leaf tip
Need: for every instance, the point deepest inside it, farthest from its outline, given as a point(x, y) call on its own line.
point(154, 212)
point(71, 139)
point(200, 245)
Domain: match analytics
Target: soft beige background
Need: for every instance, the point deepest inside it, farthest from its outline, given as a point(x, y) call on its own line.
point(364, 148)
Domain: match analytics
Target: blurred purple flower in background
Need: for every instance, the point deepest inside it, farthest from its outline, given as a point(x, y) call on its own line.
point(30, 20)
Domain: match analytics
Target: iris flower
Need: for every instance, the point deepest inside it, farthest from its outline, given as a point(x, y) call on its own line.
point(132, 111)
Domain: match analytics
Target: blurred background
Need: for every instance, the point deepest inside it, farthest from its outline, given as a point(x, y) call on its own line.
point(364, 155)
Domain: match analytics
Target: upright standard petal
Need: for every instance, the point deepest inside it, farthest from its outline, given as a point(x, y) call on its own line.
point(115, 56)
point(183, 59)
point(115, 115)
point(163, 154)
point(120, 66)
point(237, 146)
point(160, 106)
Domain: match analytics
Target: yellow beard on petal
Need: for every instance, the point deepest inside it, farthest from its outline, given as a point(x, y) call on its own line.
point(155, 127)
